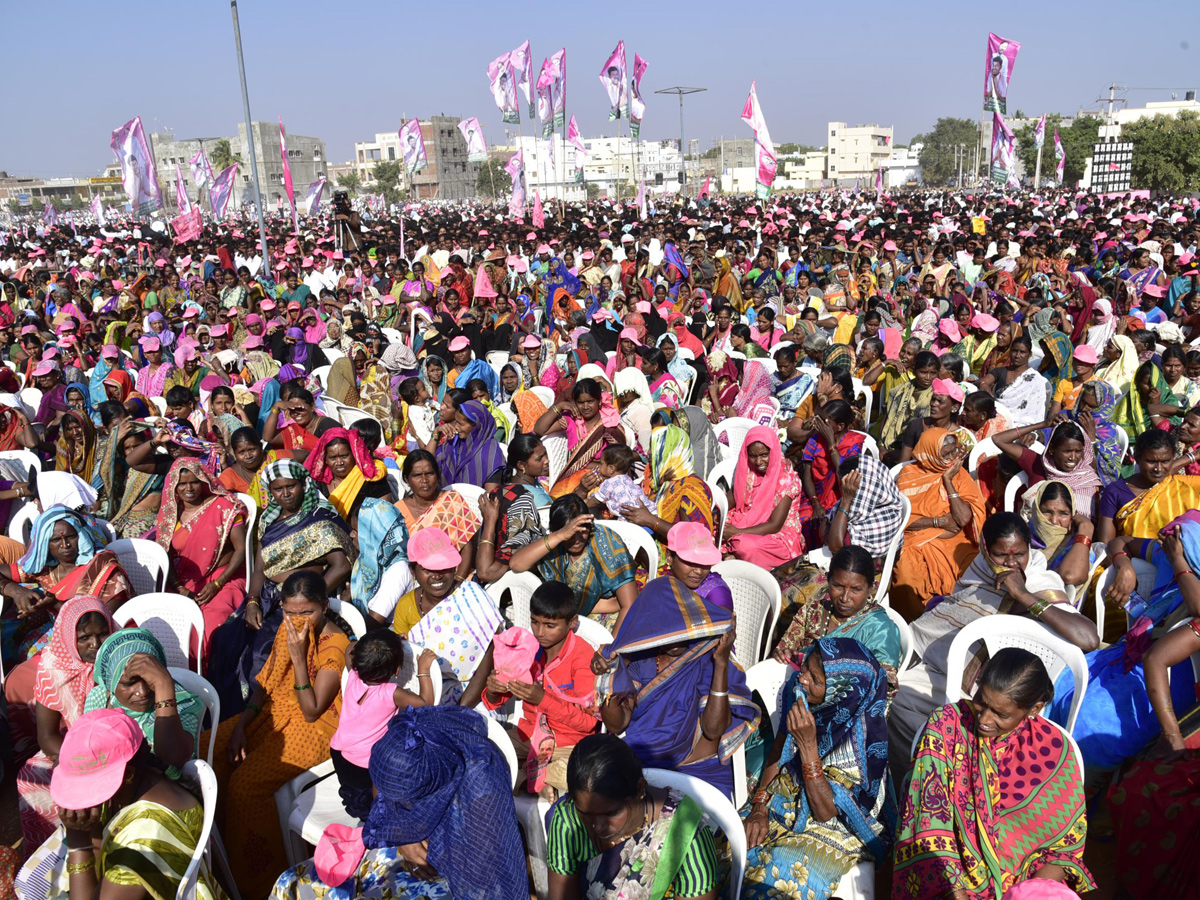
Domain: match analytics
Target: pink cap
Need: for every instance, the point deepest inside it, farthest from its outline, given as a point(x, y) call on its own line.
point(985, 322)
point(267, 305)
point(94, 754)
point(337, 254)
point(1086, 354)
point(339, 853)
point(890, 245)
point(219, 331)
point(1155, 290)
point(949, 328)
point(45, 367)
point(948, 388)
point(459, 343)
point(252, 342)
point(294, 304)
point(307, 261)
point(150, 343)
point(532, 236)
point(630, 334)
point(253, 319)
point(28, 329)
point(231, 313)
point(543, 248)
point(692, 542)
point(642, 306)
point(531, 341)
point(191, 313)
point(431, 548)
point(110, 350)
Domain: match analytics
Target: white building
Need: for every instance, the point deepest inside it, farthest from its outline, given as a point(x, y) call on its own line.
point(1170, 108)
point(855, 152)
point(904, 167)
point(550, 166)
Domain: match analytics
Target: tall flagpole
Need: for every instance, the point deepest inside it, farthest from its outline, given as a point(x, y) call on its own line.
point(258, 207)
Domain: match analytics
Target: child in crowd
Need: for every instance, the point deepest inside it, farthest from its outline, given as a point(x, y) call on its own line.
point(619, 489)
point(421, 416)
point(369, 701)
point(558, 692)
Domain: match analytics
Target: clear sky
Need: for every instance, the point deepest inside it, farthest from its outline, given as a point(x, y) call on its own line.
point(341, 71)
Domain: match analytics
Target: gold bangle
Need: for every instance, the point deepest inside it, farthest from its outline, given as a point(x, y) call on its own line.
point(82, 867)
point(486, 541)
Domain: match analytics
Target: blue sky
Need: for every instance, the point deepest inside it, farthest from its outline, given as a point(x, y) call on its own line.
point(74, 71)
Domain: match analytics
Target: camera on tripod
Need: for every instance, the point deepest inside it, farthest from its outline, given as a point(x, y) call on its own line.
point(341, 203)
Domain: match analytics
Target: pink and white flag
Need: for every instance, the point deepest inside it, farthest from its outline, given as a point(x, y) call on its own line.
point(472, 133)
point(202, 173)
point(551, 92)
point(515, 168)
point(521, 60)
point(181, 194)
point(640, 200)
point(1060, 154)
point(287, 176)
point(503, 81)
point(539, 214)
point(49, 214)
point(581, 153)
point(412, 145)
point(637, 108)
point(139, 175)
point(706, 188)
point(97, 207)
point(222, 191)
point(764, 150)
point(1004, 144)
point(1001, 58)
point(613, 77)
point(1039, 133)
point(879, 182)
point(312, 203)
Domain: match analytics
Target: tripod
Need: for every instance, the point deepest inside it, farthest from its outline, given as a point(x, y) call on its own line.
point(346, 237)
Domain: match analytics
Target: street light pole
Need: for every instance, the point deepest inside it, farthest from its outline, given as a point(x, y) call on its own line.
point(258, 207)
point(680, 92)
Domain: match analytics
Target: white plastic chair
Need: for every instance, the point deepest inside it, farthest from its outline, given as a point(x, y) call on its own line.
point(1123, 440)
point(251, 517)
point(1021, 479)
point(207, 695)
point(985, 449)
point(393, 335)
point(558, 453)
point(721, 814)
point(593, 632)
point(636, 540)
point(31, 399)
point(321, 373)
point(720, 511)
point(471, 493)
point(160, 403)
point(906, 637)
point(899, 467)
point(520, 587)
point(722, 471)
point(200, 771)
point(889, 559)
point(545, 394)
point(1002, 630)
point(21, 524)
point(756, 602)
point(497, 359)
point(172, 618)
point(27, 458)
point(768, 678)
point(351, 415)
point(332, 354)
point(350, 613)
point(734, 428)
point(1146, 573)
point(870, 446)
point(145, 562)
point(868, 395)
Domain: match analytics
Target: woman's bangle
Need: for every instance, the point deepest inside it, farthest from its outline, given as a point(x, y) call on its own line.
point(166, 704)
point(486, 541)
point(811, 770)
point(424, 675)
point(1083, 539)
point(81, 868)
point(301, 687)
point(713, 693)
point(1186, 572)
point(1121, 553)
point(761, 796)
point(255, 601)
point(546, 541)
point(1039, 607)
point(254, 706)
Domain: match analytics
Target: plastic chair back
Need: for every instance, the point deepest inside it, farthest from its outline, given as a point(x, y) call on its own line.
point(172, 618)
point(207, 695)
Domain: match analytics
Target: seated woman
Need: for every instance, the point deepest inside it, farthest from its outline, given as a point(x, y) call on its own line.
point(472, 455)
point(593, 562)
point(1067, 458)
point(429, 505)
point(764, 517)
point(1023, 390)
point(944, 406)
point(970, 825)
point(845, 607)
point(1063, 537)
point(478, 390)
point(1139, 505)
point(1156, 795)
point(75, 448)
point(677, 695)
point(680, 495)
point(943, 530)
point(664, 388)
point(871, 511)
point(434, 769)
point(298, 531)
point(791, 386)
point(284, 730)
point(305, 425)
point(590, 425)
point(247, 459)
point(907, 401)
point(832, 442)
point(129, 830)
point(344, 470)
point(1006, 578)
point(203, 530)
point(827, 801)
point(669, 852)
point(64, 677)
point(510, 513)
point(132, 491)
point(380, 575)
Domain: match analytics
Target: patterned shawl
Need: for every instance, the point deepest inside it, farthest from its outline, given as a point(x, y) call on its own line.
point(875, 512)
point(63, 679)
point(314, 530)
point(474, 458)
point(382, 540)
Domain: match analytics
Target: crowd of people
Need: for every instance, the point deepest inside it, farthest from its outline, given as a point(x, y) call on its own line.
point(909, 412)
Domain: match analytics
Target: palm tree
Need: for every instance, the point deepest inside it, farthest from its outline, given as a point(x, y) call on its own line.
point(222, 156)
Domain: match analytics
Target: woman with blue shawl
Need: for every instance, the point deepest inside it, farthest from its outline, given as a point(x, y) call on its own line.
point(1056, 362)
point(1098, 401)
point(473, 455)
point(677, 693)
point(382, 537)
point(1116, 719)
point(432, 372)
point(558, 278)
point(105, 364)
point(443, 824)
point(826, 803)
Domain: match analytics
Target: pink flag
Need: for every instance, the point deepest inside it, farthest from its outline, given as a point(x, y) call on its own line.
point(522, 65)
point(612, 76)
point(1039, 133)
point(764, 150)
point(640, 199)
point(287, 176)
point(576, 141)
point(1003, 152)
point(551, 92)
point(636, 107)
point(1061, 155)
point(539, 216)
point(138, 172)
point(516, 171)
point(49, 214)
point(187, 227)
point(97, 209)
point(181, 194)
point(1001, 58)
point(222, 191)
point(503, 81)
point(879, 183)
point(312, 203)
point(412, 145)
point(706, 188)
point(472, 133)
point(202, 173)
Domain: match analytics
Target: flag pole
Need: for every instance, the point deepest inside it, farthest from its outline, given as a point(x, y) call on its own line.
point(1037, 172)
point(258, 207)
point(618, 155)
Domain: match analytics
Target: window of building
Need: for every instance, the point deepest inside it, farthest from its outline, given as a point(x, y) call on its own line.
point(391, 152)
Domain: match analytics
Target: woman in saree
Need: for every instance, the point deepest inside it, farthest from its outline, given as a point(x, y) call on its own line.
point(832, 441)
point(381, 573)
point(283, 730)
point(247, 459)
point(764, 520)
point(1097, 401)
point(826, 801)
point(434, 769)
point(472, 455)
point(632, 393)
point(304, 426)
point(1141, 504)
point(942, 535)
point(722, 386)
point(341, 384)
point(1023, 390)
point(525, 404)
point(510, 512)
point(590, 425)
point(680, 495)
point(79, 398)
point(75, 448)
point(664, 389)
point(727, 285)
point(970, 826)
point(1140, 271)
point(677, 694)
point(429, 505)
point(202, 528)
point(594, 562)
point(1064, 537)
point(344, 470)
point(794, 386)
point(1119, 363)
point(845, 607)
point(64, 677)
point(132, 492)
point(145, 835)
point(152, 377)
point(908, 401)
point(1148, 402)
point(15, 431)
point(298, 531)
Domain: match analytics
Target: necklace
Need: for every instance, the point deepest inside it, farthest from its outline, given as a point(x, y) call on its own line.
point(646, 808)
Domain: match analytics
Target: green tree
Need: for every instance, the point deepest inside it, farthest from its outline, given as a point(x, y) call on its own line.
point(387, 175)
point(938, 162)
point(222, 156)
point(349, 181)
point(1166, 152)
point(790, 148)
point(493, 182)
point(1077, 142)
point(592, 189)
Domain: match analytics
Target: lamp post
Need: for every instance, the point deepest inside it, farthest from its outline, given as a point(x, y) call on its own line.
point(681, 92)
point(258, 207)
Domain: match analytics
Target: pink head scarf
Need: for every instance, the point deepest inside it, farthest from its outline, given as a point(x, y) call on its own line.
point(746, 513)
